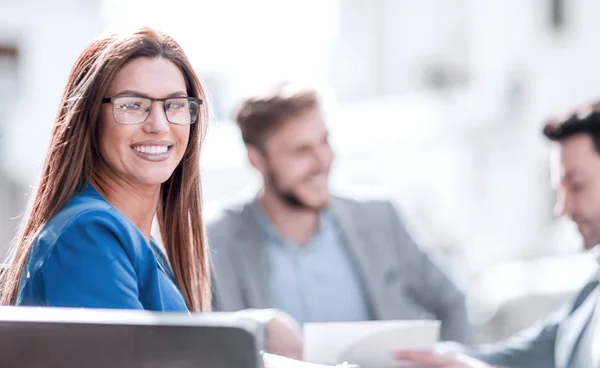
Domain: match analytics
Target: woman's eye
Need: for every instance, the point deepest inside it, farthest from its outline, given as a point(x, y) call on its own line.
point(174, 105)
point(130, 106)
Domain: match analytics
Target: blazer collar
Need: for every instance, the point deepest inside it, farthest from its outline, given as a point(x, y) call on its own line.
point(357, 242)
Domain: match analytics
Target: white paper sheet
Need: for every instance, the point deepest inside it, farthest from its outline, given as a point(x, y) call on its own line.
point(368, 344)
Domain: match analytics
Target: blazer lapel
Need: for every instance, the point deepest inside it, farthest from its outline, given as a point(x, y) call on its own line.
point(362, 255)
point(253, 260)
point(572, 329)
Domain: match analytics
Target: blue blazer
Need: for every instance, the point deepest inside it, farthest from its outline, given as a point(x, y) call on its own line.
point(90, 255)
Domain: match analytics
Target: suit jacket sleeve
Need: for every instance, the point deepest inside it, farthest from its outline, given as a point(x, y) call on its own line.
point(531, 348)
point(431, 286)
point(227, 293)
point(534, 347)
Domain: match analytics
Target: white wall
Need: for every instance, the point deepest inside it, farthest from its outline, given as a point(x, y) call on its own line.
point(50, 36)
point(518, 71)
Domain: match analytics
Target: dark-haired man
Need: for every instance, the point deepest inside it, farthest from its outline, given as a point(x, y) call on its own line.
point(571, 337)
point(319, 257)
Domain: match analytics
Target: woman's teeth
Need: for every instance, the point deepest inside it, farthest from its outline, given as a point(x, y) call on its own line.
point(151, 150)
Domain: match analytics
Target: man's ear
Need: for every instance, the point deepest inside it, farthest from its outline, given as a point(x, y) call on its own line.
point(257, 158)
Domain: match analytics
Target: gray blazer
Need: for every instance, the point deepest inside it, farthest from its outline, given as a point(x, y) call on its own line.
point(549, 344)
point(401, 281)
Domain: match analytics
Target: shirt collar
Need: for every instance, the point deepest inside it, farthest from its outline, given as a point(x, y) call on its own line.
point(596, 253)
point(273, 233)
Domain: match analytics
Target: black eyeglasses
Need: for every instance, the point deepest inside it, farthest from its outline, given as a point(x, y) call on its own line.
point(135, 109)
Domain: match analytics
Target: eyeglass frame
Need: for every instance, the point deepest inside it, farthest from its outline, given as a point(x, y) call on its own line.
point(111, 100)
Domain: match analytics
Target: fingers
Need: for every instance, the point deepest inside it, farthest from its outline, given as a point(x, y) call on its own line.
point(423, 356)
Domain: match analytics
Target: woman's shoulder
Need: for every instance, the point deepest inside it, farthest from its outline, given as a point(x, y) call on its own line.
point(87, 241)
point(90, 211)
point(87, 219)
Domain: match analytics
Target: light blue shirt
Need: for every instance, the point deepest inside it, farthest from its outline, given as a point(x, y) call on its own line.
point(315, 282)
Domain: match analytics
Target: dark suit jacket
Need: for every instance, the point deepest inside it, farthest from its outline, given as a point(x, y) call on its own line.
point(549, 344)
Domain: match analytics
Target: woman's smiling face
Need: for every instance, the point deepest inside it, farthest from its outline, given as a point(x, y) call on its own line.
point(145, 153)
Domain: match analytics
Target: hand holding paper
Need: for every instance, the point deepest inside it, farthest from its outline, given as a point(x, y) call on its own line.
point(369, 344)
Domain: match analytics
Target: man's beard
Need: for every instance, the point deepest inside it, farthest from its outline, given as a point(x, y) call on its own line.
point(589, 233)
point(289, 197)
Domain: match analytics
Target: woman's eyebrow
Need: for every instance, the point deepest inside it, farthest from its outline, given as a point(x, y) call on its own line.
point(129, 92)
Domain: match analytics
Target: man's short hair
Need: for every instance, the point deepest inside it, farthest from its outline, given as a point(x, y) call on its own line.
point(259, 116)
point(583, 120)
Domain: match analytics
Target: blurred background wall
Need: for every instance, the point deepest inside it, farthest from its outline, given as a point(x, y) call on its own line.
point(437, 104)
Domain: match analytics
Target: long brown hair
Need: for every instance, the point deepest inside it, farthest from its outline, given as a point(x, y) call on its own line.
point(73, 154)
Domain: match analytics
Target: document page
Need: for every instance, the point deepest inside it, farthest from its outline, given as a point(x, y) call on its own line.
point(369, 344)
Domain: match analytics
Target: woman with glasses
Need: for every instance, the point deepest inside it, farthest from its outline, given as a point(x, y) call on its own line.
point(124, 149)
